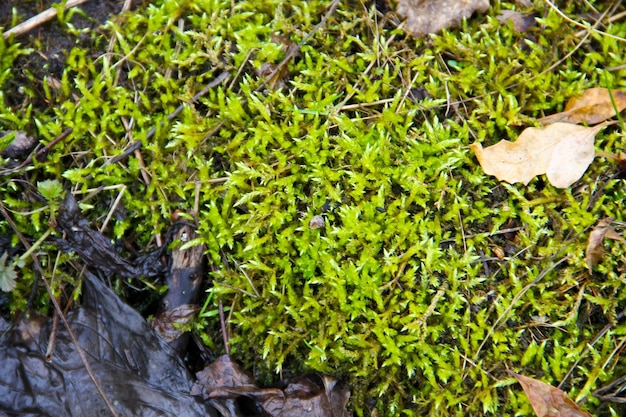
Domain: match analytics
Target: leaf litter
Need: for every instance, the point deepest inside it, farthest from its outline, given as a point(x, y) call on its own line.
point(562, 149)
point(595, 245)
point(424, 17)
point(140, 370)
point(521, 22)
point(141, 373)
point(593, 106)
point(224, 384)
point(7, 274)
point(548, 401)
point(96, 249)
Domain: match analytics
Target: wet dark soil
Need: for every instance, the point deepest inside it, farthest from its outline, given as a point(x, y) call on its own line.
point(52, 41)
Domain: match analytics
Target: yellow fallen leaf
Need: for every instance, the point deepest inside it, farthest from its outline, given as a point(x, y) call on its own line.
point(548, 401)
point(563, 151)
point(592, 106)
point(572, 154)
point(595, 245)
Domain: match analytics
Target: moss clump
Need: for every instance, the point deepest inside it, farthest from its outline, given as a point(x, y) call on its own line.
point(428, 279)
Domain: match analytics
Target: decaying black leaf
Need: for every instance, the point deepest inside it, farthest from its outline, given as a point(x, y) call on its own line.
point(96, 250)
point(139, 372)
point(138, 368)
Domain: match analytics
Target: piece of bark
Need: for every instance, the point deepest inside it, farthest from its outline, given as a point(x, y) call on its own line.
point(184, 280)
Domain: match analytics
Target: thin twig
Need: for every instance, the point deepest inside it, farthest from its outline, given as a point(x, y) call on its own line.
point(136, 145)
point(514, 301)
point(223, 326)
point(196, 202)
point(131, 53)
point(294, 51)
point(53, 337)
point(113, 208)
point(240, 69)
point(611, 19)
point(600, 391)
point(41, 154)
point(589, 346)
point(486, 234)
point(39, 19)
point(128, 126)
point(125, 7)
point(364, 105)
point(588, 29)
point(243, 271)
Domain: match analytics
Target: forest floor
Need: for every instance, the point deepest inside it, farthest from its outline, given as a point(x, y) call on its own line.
point(327, 157)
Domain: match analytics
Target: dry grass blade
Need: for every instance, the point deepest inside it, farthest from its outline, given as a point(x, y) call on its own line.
point(514, 301)
point(39, 19)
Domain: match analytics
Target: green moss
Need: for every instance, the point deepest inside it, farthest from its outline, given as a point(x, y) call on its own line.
point(412, 291)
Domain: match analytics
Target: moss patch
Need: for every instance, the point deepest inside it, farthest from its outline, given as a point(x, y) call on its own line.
point(428, 279)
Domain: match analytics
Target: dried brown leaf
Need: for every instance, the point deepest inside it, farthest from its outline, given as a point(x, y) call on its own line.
point(224, 382)
point(432, 16)
point(595, 245)
point(563, 151)
point(592, 106)
point(276, 75)
point(520, 22)
point(19, 147)
point(548, 401)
